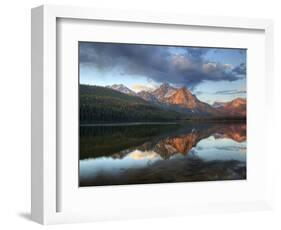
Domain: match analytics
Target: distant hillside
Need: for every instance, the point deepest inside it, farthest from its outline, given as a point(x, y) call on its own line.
point(101, 104)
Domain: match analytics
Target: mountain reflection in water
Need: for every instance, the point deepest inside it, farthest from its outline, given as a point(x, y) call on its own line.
point(162, 153)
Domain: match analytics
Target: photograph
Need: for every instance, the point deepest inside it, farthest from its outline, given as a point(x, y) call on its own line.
point(154, 113)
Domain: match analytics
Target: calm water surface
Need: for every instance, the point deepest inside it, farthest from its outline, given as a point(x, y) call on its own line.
point(161, 152)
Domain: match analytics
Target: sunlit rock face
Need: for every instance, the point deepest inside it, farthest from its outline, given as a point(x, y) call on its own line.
point(236, 107)
point(184, 98)
point(238, 102)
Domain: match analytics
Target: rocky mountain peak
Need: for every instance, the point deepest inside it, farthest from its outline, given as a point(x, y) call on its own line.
point(122, 89)
point(164, 91)
point(184, 98)
point(165, 85)
point(236, 107)
point(238, 102)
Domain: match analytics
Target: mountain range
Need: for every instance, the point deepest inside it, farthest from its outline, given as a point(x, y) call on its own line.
point(183, 101)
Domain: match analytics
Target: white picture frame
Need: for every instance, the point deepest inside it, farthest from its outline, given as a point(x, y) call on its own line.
point(45, 167)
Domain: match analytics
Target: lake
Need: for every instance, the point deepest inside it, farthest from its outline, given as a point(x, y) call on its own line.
point(142, 153)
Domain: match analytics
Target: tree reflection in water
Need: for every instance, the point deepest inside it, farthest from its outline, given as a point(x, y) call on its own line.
point(137, 154)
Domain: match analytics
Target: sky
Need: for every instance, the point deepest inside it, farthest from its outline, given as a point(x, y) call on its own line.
point(212, 74)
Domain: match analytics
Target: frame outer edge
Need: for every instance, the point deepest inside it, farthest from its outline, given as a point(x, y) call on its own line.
point(271, 105)
point(37, 163)
point(43, 90)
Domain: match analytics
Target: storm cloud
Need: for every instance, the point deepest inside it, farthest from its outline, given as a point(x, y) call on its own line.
point(240, 69)
point(159, 63)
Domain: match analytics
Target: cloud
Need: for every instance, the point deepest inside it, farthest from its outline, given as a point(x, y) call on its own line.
point(231, 92)
point(158, 63)
point(198, 92)
point(197, 52)
point(140, 87)
point(240, 69)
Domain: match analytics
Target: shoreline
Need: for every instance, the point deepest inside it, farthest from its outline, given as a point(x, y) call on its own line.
point(166, 123)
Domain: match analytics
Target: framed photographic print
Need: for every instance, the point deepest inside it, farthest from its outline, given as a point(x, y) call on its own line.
point(160, 114)
point(138, 115)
